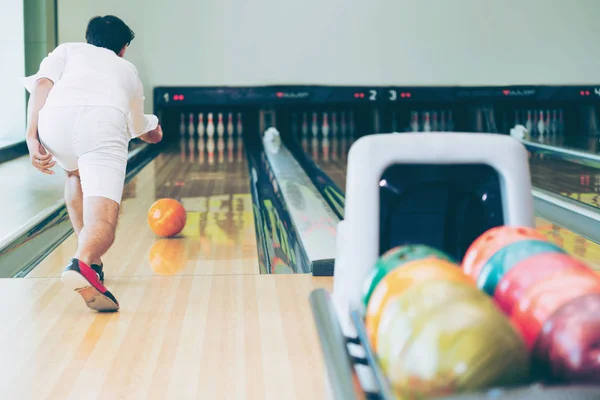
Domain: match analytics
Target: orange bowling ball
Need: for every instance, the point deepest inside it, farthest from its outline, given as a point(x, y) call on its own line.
point(401, 279)
point(490, 242)
point(167, 217)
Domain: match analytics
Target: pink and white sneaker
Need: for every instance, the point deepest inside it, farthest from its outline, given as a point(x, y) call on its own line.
point(86, 281)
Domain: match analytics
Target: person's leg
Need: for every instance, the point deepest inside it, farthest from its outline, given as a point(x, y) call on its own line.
point(100, 216)
point(74, 200)
point(98, 234)
point(74, 203)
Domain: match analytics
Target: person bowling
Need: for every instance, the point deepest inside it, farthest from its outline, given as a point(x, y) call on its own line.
point(86, 104)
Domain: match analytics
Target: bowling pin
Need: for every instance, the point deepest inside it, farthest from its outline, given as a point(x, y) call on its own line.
point(230, 127)
point(191, 126)
point(528, 123)
point(221, 149)
point(210, 126)
point(315, 148)
point(325, 148)
point(305, 144)
point(220, 126)
point(201, 151)
point(201, 125)
point(240, 127)
point(414, 121)
point(426, 122)
point(210, 147)
point(548, 123)
point(554, 122)
point(230, 157)
point(434, 121)
point(304, 128)
point(334, 124)
point(343, 126)
point(325, 127)
point(182, 125)
point(315, 127)
point(541, 126)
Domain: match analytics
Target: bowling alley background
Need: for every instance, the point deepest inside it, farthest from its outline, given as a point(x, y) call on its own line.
point(337, 42)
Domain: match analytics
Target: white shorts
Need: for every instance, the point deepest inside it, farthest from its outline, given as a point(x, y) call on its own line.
point(93, 140)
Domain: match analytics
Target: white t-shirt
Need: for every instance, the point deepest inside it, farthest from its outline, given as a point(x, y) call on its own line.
point(87, 75)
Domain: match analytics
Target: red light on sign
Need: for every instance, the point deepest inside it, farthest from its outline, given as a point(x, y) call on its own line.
point(280, 94)
point(584, 92)
point(178, 97)
point(359, 95)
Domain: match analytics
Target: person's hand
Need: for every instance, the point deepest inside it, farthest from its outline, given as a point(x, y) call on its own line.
point(154, 136)
point(157, 134)
point(40, 158)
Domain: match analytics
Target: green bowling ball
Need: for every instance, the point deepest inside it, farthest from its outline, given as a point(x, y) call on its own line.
point(506, 258)
point(400, 312)
point(393, 259)
point(463, 345)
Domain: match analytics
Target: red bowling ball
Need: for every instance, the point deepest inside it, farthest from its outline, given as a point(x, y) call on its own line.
point(568, 348)
point(545, 297)
point(528, 272)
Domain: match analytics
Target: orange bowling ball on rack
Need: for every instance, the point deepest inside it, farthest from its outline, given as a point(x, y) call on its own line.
point(167, 217)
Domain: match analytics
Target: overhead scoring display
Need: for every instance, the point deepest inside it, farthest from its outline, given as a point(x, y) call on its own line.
point(172, 96)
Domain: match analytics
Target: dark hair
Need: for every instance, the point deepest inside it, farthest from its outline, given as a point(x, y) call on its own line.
point(109, 32)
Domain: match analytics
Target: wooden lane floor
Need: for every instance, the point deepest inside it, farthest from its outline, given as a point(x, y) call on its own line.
point(176, 337)
point(580, 182)
point(219, 237)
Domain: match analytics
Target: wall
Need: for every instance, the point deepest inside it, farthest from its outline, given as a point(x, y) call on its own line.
point(412, 42)
point(12, 95)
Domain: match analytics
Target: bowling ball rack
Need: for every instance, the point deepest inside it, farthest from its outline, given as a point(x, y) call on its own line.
point(353, 371)
point(352, 368)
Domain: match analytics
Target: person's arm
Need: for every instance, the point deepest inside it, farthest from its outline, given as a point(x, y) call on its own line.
point(40, 85)
point(142, 126)
point(40, 158)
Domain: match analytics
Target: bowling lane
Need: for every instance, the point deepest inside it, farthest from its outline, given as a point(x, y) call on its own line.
point(210, 177)
point(578, 181)
point(175, 337)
